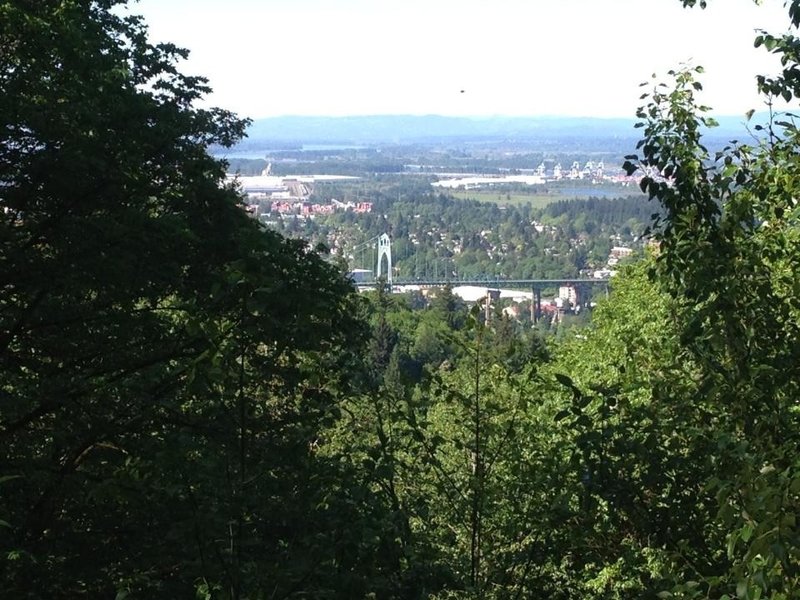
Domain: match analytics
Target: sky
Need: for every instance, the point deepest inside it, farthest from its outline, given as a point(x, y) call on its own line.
point(269, 58)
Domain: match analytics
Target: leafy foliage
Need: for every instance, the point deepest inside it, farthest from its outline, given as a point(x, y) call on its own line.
point(165, 362)
point(192, 405)
point(727, 240)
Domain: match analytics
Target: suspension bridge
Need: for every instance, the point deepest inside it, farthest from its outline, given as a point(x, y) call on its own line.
point(374, 258)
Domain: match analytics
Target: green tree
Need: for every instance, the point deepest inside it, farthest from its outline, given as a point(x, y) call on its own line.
point(166, 364)
point(636, 438)
point(449, 308)
point(483, 464)
point(728, 240)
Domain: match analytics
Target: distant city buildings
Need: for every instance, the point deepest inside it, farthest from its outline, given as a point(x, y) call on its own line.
point(474, 182)
point(594, 172)
point(617, 254)
point(305, 209)
point(270, 186)
point(266, 194)
point(569, 294)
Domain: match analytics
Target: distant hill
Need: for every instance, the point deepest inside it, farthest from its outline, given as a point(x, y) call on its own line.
point(402, 129)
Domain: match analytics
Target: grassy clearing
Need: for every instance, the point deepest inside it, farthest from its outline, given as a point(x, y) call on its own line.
point(540, 197)
point(512, 199)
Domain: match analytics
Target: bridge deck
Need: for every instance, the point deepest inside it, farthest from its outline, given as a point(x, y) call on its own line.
point(490, 282)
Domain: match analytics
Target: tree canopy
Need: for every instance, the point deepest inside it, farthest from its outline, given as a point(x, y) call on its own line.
point(191, 405)
point(155, 341)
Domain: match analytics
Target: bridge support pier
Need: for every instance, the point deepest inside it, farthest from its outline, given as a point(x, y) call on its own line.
point(536, 304)
point(491, 296)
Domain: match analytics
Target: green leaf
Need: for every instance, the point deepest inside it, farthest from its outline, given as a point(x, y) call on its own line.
point(564, 380)
point(747, 532)
point(742, 589)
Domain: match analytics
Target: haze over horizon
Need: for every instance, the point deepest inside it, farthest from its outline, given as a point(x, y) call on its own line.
point(533, 58)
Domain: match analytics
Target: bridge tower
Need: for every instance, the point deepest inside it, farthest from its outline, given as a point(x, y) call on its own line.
point(384, 249)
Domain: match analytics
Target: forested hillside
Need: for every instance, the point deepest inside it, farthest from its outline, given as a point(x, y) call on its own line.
point(194, 406)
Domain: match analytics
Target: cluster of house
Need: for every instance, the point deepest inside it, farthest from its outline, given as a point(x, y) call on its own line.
point(617, 253)
point(568, 300)
point(307, 208)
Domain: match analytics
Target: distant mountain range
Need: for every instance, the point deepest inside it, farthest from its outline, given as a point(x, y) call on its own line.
point(403, 129)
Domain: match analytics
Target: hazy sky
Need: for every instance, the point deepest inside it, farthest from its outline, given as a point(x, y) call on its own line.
point(510, 57)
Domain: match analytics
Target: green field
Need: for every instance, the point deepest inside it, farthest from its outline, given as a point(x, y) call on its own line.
point(540, 196)
point(537, 200)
